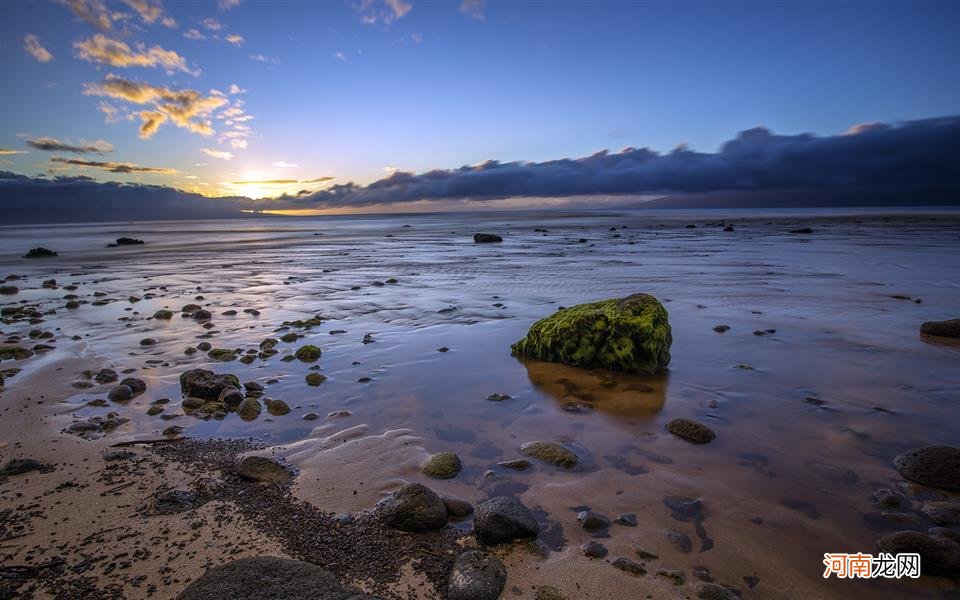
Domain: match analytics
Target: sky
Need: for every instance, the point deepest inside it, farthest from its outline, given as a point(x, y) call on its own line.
point(341, 101)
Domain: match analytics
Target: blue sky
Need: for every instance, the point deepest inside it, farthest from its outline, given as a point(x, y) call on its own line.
point(352, 90)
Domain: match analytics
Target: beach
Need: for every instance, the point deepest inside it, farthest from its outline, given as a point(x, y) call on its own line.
point(816, 381)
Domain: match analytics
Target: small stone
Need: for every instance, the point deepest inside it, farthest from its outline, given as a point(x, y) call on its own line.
point(675, 576)
point(486, 238)
point(308, 353)
point(230, 396)
point(442, 465)
point(592, 521)
point(550, 452)
point(457, 508)
point(163, 315)
point(691, 431)
point(934, 466)
point(277, 408)
point(949, 328)
point(945, 513)
point(628, 566)
point(518, 464)
point(594, 550)
point(19, 466)
point(646, 554)
point(498, 397)
point(714, 591)
point(722, 328)
point(628, 519)
point(315, 379)
point(120, 393)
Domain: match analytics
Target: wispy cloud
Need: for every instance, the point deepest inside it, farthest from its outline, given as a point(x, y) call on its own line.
point(185, 108)
point(93, 12)
point(221, 154)
point(106, 51)
point(7, 152)
point(339, 55)
point(236, 89)
point(212, 24)
point(236, 39)
point(193, 34)
point(33, 47)
point(264, 59)
point(150, 122)
point(49, 144)
point(282, 164)
point(374, 12)
point(225, 5)
point(475, 9)
point(151, 12)
point(113, 167)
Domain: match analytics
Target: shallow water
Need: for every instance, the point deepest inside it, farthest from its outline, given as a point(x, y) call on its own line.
point(787, 479)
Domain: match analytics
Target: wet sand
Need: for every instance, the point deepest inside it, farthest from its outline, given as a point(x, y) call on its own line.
point(808, 418)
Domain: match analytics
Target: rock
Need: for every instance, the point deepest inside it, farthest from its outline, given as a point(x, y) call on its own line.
point(950, 328)
point(39, 252)
point(715, 591)
point(191, 403)
point(222, 354)
point(802, 230)
point(941, 512)
point(137, 385)
point(307, 353)
point(934, 466)
point(19, 466)
point(116, 455)
point(106, 376)
point(264, 577)
point(517, 464)
point(9, 290)
point(120, 393)
point(277, 408)
point(629, 334)
point(476, 576)
point(550, 452)
point(502, 519)
point(722, 328)
point(127, 241)
point(204, 346)
point(249, 409)
point(201, 383)
point(163, 315)
point(629, 566)
point(938, 555)
point(692, 431)
point(680, 540)
point(14, 352)
point(442, 465)
point(230, 396)
point(315, 379)
point(154, 410)
point(548, 592)
point(148, 342)
point(253, 386)
point(944, 532)
point(486, 238)
point(498, 397)
point(592, 521)
point(457, 508)
point(201, 315)
point(594, 550)
point(645, 554)
point(628, 519)
point(290, 337)
point(675, 576)
point(263, 470)
point(414, 507)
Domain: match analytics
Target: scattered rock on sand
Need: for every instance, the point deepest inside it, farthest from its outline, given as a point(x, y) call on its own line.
point(442, 465)
point(476, 576)
point(722, 328)
point(486, 238)
point(943, 512)
point(628, 519)
point(263, 470)
point(950, 328)
point(592, 521)
point(414, 507)
point(14, 352)
point(502, 519)
point(201, 383)
point(629, 334)
point(269, 577)
point(120, 393)
point(550, 452)
point(938, 555)
point(715, 591)
point(594, 550)
point(692, 431)
point(163, 315)
point(39, 252)
point(9, 290)
point(307, 353)
point(629, 566)
point(19, 466)
point(106, 376)
point(934, 466)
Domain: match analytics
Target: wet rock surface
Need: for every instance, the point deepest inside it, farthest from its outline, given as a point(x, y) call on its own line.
point(691, 431)
point(550, 452)
point(503, 519)
point(414, 507)
point(476, 576)
point(935, 466)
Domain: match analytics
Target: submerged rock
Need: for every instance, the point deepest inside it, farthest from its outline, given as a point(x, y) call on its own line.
point(414, 507)
point(692, 431)
point(629, 334)
point(315, 379)
point(502, 519)
point(249, 409)
point(476, 576)
point(442, 465)
point(594, 550)
point(307, 353)
point(934, 466)
point(550, 452)
point(950, 328)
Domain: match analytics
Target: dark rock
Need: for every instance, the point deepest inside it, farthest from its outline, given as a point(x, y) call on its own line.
point(201, 383)
point(414, 507)
point(629, 566)
point(692, 431)
point(715, 591)
point(163, 315)
point(486, 238)
point(315, 379)
point(945, 532)
point(934, 466)
point(675, 576)
point(263, 470)
point(950, 328)
point(106, 376)
point(628, 519)
point(645, 554)
point(249, 409)
point(308, 353)
point(502, 519)
point(120, 393)
point(938, 555)
point(802, 230)
point(722, 328)
point(942, 512)
point(201, 315)
point(518, 464)
point(9, 290)
point(39, 252)
point(442, 465)
point(136, 385)
point(127, 241)
point(457, 508)
point(592, 521)
point(680, 540)
point(230, 396)
point(19, 466)
point(594, 550)
point(476, 576)
point(277, 408)
point(498, 397)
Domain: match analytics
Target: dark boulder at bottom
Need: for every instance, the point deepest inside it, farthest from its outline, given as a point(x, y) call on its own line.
point(476, 576)
point(269, 577)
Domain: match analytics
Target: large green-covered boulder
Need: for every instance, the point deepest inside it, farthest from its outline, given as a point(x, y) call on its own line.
point(629, 334)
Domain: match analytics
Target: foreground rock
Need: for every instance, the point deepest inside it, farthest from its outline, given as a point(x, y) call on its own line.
point(692, 431)
point(949, 328)
point(938, 555)
point(263, 470)
point(934, 466)
point(476, 576)
point(629, 334)
point(550, 452)
point(201, 383)
point(502, 519)
point(486, 238)
point(269, 577)
point(414, 507)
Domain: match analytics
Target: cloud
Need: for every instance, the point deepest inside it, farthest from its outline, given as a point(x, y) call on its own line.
point(193, 34)
point(225, 5)
point(7, 152)
point(236, 89)
point(474, 9)
point(265, 59)
point(106, 51)
point(151, 12)
point(281, 181)
point(93, 12)
point(282, 164)
point(33, 47)
point(914, 155)
point(238, 144)
point(150, 122)
point(113, 167)
point(221, 154)
point(339, 55)
point(236, 39)
point(212, 24)
point(49, 144)
point(187, 109)
point(373, 12)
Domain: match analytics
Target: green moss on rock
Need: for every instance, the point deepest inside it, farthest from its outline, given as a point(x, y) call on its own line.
point(442, 465)
point(629, 334)
point(308, 353)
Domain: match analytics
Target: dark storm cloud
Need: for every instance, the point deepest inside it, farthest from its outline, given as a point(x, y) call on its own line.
point(915, 154)
point(49, 144)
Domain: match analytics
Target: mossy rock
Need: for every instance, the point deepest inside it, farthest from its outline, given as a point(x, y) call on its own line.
point(550, 452)
point(277, 408)
point(14, 352)
point(442, 465)
point(164, 315)
point(315, 379)
point(249, 409)
point(629, 334)
point(307, 353)
point(222, 354)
